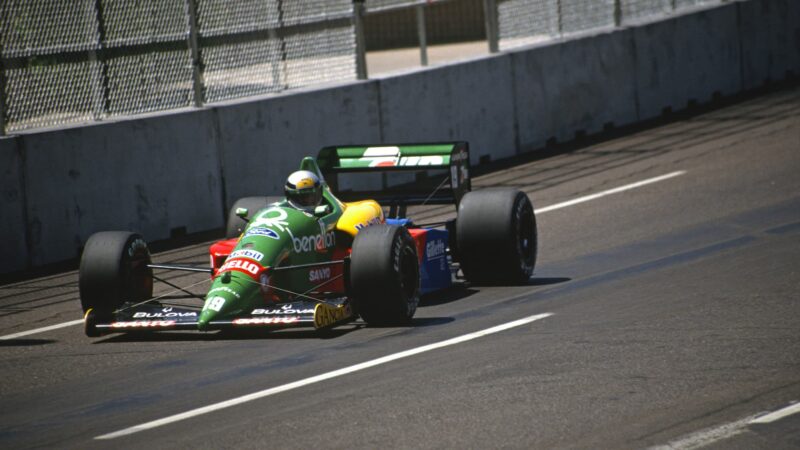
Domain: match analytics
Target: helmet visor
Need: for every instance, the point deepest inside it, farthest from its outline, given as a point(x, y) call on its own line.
point(306, 197)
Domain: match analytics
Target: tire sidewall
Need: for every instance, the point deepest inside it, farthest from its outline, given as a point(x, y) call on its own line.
point(114, 270)
point(384, 275)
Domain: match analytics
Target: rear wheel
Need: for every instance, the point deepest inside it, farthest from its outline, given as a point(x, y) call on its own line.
point(236, 225)
point(496, 236)
point(113, 271)
point(384, 275)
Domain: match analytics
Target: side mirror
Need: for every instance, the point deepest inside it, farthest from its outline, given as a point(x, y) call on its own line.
point(322, 210)
point(242, 213)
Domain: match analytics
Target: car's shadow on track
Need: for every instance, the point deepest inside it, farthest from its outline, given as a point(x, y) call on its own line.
point(547, 281)
point(465, 289)
point(238, 335)
point(456, 292)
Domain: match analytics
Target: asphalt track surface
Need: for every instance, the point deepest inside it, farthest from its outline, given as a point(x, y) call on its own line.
point(675, 321)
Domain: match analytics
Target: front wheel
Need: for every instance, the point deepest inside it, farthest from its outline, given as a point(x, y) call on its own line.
point(114, 270)
point(384, 275)
point(496, 236)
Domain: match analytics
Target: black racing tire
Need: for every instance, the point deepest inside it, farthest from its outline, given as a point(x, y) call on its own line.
point(236, 224)
point(496, 236)
point(384, 275)
point(113, 271)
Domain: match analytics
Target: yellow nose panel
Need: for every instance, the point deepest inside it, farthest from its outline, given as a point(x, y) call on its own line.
point(358, 215)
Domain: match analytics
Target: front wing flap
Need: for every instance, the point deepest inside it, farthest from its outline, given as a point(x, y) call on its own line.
point(318, 315)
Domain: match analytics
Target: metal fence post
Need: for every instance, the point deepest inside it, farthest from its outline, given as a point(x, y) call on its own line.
point(361, 47)
point(560, 13)
point(492, 25)
point(2, 94)
point(197, 71)
point(617, 13)
point(284, 53)
point(422, 35)
point(99, 111)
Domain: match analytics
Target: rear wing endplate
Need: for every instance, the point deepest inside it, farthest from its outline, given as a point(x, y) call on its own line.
point(441, 171)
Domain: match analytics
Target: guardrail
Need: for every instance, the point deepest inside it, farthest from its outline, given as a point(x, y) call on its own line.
point(68, 63)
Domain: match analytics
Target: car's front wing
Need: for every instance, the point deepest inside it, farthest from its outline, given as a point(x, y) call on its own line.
point(146, 317)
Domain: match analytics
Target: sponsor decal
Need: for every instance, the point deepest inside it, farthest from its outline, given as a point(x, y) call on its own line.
point(318, 242)
point(144, 324)
point(435, 249)
point(225, 289)
point(252, 254)
point(326, 315)
point(285, 309)
point(390, 157)
point(373, 221)
point(431, 160)
point(262, 232)
point(246, 266)
point(320, 274)
point(265, 320)
point(459, 156)
point(162, 315)
point(272, 218)
point(398, 246)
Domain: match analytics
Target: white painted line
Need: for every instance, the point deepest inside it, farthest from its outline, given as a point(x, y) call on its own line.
point(41, 330)
point(322, 377)
point(778, 415)
point(617, 190)
point(538, 211)
point(708, 436)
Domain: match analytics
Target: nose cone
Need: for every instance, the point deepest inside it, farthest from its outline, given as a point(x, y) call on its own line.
point(230, 294)
point(205, 318)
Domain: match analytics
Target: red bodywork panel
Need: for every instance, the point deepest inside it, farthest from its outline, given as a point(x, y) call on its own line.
point(219, 251)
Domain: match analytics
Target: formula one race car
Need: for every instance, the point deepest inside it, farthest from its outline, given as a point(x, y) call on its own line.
point(283, 265)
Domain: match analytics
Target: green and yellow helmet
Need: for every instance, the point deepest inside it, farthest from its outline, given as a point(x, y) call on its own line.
point(304, 190)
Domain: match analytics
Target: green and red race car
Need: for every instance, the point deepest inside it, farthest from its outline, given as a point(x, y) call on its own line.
point(354, 254)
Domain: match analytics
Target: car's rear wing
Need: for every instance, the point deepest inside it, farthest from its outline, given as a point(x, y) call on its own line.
point(441, 172)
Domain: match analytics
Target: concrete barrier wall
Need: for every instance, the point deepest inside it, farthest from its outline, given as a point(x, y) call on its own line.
point(577, 86)
point(13, 249)
point(153, 175)
point(687, 58)
point(262, 142)
point(165, 174)
point(471, 101)
point(770, 39)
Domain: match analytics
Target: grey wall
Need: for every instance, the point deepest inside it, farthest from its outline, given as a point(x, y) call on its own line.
point(687, 58)
point(13, 248)
point(471, 101)
point(262, 142)
point(770, 39)
point(160, 173)
point(579, 85)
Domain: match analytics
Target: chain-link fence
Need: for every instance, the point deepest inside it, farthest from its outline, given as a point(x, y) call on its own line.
point(523, 22)
point(73, 61)
point(76, 61)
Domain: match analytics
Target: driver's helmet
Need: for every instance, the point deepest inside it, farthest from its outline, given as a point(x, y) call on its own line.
point(303, 190)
